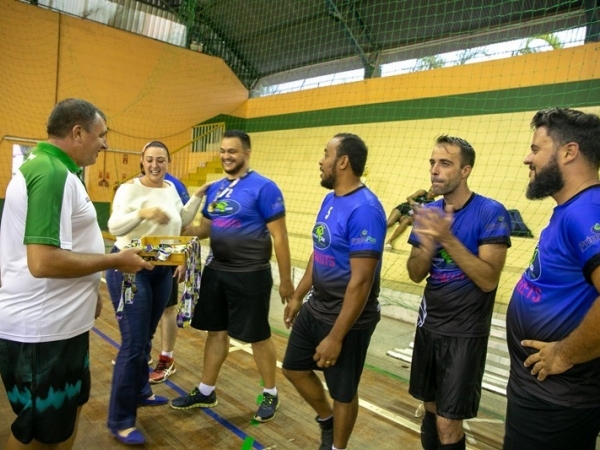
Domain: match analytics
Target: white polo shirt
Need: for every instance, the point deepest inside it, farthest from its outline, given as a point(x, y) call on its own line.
point(46, 203)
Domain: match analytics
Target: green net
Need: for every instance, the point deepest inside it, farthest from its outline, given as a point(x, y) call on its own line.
point(293, 74)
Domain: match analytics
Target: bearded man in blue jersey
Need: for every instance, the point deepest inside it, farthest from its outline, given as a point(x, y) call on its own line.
point(332, 330)
point(554, 313)
point(244, 216)
point(460, 241)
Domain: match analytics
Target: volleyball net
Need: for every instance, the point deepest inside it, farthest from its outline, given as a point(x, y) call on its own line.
point(164, 76)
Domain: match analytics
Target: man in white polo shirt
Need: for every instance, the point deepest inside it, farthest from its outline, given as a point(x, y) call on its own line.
point(51, 256)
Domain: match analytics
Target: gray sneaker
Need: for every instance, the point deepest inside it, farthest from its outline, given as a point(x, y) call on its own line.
point(195, 400)
point(326, 433)
point(268, 407)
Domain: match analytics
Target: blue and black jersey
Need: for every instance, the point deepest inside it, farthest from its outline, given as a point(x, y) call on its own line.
point(348, 226)
point(553, 296)
point(240, 210)
point(452, 304)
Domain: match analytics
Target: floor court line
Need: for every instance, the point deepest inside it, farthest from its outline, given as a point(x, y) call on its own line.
point(399, 420)
point(209, 412)
point(367, 405)
point(237, 345)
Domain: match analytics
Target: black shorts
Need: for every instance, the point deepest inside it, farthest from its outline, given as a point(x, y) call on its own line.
point(535, 424)
point(235, 301)
point(46, 383)
point(343, 378)
point(174, 298)
point(448, 371)
point(404, 209)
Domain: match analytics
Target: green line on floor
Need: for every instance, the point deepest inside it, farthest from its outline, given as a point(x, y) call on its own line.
point(247, 444)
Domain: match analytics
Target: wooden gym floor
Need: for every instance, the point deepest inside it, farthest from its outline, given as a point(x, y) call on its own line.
point(386, 418)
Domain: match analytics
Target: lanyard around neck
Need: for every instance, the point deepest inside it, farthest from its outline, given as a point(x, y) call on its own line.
point(224, 190)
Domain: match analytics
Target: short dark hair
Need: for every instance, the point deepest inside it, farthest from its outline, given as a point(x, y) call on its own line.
point(354, 147)
point(241, 135)
point(70, 112)
point(566, 125)
point(467, 152)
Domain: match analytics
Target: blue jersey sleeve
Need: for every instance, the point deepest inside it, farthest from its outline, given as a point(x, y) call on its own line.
point(366, 232)
point(582, 232)
point(271, 205)
point(179, 187)
point(495, 224)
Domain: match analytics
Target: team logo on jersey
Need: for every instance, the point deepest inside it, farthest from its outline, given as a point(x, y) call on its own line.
point(279, 204)
point(443, 260)
point(535, 268)
point(500, 224)
point(446, 256)
point(223, 207)
point(364, 239)
point(591, 240)
point(321, 236)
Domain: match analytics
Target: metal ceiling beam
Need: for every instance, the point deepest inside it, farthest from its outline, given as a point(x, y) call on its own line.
point(214, 42)
point(592, 13)
point(370, 65)
point(187, 14)
point(208, 37)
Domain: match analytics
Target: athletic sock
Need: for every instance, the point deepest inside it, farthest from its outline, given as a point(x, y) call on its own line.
point(460, 445)
point(167, 354)
point(271, 391)
point(205, 389)
point(429, 434)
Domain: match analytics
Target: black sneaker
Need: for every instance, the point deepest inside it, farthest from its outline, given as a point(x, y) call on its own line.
point(195, 400)
point(268, 407)
point(326, 433)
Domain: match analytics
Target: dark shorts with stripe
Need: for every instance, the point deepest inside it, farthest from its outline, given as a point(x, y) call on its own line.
point(237, 302)
point(448, 370)
point(344, 377)
point(46, 383)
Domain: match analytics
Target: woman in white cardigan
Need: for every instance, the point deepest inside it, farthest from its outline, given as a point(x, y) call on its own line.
point(145, 206)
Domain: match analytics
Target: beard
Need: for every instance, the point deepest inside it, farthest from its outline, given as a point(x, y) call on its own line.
point(235, 170)
point(329, 181)
point(547, 181)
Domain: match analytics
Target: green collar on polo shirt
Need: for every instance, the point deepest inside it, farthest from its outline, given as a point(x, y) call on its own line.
point(53, 150)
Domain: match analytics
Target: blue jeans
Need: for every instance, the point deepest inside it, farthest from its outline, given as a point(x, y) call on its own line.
point(130, 383)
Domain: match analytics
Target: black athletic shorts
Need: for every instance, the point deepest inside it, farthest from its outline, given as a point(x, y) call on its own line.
point(535, 424)
point(404, 209)
point(448, 371)
point(343, 378)
point(235, 301)
point(174, 298)
point(46, 383)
